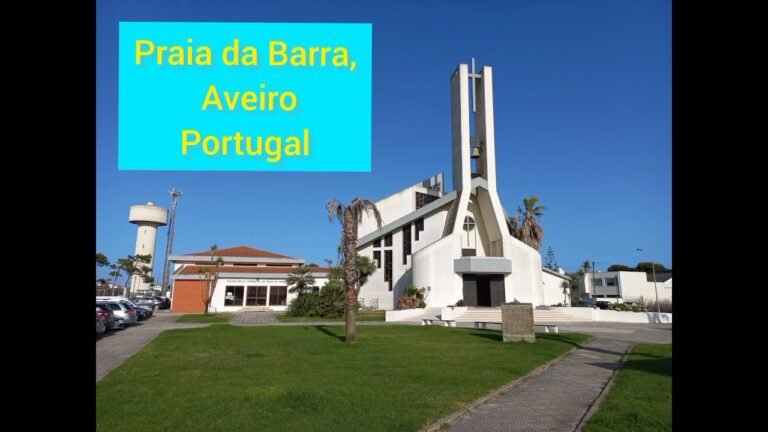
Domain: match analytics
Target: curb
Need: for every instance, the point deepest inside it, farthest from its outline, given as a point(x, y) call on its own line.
point(603, 393)
point(448, 420)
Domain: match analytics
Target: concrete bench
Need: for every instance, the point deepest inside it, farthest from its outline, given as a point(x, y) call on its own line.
point(548, 328)
point(484, 324)
point(429, 321)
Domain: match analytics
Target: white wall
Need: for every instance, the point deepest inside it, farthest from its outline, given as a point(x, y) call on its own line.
point(391, 208)
point(616, 316)
point(400, 315)
point(552, 290)
point(217, 301)
point(477, 238)
point(635, 285)
point(525, 281)
point(433, 267)
point(376, 287)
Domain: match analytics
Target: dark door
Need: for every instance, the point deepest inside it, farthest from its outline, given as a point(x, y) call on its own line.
point(470, 289)
point(483, 290)
point(497, 290)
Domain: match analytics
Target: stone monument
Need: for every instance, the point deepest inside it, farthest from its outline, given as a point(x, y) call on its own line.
point(517, 322)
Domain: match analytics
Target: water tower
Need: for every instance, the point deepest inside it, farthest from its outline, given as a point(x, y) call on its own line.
point(148, 217)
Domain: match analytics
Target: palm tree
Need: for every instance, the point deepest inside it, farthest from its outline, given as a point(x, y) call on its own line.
point(365, 267)
point(350, 216)
point(530, 232)
point(566, 284)
point(301, 278)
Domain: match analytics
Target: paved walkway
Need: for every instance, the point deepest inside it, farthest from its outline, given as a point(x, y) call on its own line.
point(116, 346)
point(559, 398)
point(254, 318)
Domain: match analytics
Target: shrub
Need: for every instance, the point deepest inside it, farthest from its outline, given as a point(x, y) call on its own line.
point(330, 302)
point(306, 304)
point(413, 298)
point(460, 303)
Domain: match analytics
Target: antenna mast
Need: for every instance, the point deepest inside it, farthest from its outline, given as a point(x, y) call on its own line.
point(169, 244)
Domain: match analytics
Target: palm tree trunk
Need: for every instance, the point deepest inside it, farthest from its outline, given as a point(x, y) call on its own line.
point(350, 273)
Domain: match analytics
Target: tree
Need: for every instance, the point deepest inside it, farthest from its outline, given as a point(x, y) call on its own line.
point(135, 265)
point(586, 267)
point(512, 225)
point(365, 267)
point(648, 267)
point(566, 284)
point(528, 229)
point(620, 267)
point(101, 260)
point(301, 280)
point(350, 216)
point(550, 262)
point(210, 275)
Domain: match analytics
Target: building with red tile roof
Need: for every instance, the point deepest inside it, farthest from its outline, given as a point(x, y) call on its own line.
point(249, 278)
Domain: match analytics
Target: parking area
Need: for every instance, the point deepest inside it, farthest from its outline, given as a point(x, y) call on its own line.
point(116, 346)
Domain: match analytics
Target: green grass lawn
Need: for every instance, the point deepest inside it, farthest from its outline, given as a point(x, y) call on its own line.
point(203, 318)
point(361, 316)
point(641, 397)
point(304, 378)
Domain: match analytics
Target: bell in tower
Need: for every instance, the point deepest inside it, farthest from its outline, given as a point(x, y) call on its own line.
point(475, 148)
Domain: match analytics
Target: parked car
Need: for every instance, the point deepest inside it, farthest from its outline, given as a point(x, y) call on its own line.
point(165, 302)
point(124, 300)
point(101, 327)
point(111, 321)
point(588, 302)
point(146, 301)
point(603, 304)
point(123, 310)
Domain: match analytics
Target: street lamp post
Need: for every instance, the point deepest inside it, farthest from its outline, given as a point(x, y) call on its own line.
point(653, 269)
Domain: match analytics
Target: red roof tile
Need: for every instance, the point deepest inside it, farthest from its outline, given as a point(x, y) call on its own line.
point(241, 251)
point(192, 269)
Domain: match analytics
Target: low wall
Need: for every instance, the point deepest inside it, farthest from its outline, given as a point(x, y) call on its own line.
point(399, 315)
point(617, 316)
point(581, 312)
point(448, 313)
point(659, 318)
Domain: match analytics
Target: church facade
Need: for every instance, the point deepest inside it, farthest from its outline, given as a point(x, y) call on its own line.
point(455, 244)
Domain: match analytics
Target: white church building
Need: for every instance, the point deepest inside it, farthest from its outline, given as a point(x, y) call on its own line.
point(456, 244)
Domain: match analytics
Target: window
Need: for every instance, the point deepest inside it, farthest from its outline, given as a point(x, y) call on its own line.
point(277, 295)
point(423, 199)
point(257, 296)
point(419, 227)
point(234, 296)
point(406, 243)
point(388, 268)
point(388, 240)
point(598, 282)
point(377, 258)
point(377, 242)
point(469, 223)
point(610, 282)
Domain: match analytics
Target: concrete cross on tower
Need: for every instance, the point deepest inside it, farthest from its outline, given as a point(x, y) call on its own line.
point(473, 76)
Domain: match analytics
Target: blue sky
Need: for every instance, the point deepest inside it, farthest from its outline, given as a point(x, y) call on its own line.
point(582, 96)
